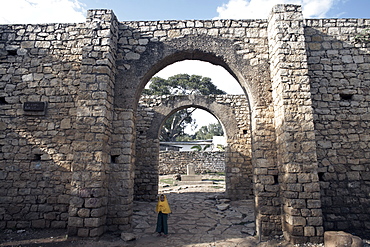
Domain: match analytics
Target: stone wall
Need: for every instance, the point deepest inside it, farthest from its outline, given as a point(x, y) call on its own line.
point(298, 143)
point(174, 162)
point(39, 63)
point(340, 79)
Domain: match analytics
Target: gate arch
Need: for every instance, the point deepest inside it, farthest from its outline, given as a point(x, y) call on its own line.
point(254, 79)
point(90, 85)
point(233, 113)
point(241, 47)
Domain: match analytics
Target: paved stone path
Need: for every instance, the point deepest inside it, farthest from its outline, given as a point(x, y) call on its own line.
point(197, 219)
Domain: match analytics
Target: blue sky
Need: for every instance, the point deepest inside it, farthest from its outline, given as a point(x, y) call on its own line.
point(41, 11)
point(66, 11)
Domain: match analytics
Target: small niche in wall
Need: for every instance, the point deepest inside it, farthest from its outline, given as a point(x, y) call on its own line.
point(344, 96)
point(3, 101)
point(276, 179)
point(245, 132)
point(321, 176)
point(114, 158)
point(37, 157)
point(12, 52)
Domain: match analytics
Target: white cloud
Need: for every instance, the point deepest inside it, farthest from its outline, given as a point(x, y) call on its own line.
point(41, 11)
point(260, 9)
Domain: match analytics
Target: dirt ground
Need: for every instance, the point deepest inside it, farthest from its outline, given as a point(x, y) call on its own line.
point(59, 238)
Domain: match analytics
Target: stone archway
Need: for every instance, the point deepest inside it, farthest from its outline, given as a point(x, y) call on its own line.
point(251, 51)
point(233, 113)
point(91, 84)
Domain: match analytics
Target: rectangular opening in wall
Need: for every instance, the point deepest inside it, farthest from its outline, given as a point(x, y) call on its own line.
point(3, 101)
point(344, 96)
point(276, 179)
point(37, 157)
point(12, 52)
point(114, 158)
point(321, 176)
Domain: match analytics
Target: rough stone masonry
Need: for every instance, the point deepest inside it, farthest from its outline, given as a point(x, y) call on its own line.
point(69, 127)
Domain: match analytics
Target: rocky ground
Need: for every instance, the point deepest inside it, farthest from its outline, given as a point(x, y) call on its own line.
point(201, 217)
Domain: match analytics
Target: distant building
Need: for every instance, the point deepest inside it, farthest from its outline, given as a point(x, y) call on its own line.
point(187, 146)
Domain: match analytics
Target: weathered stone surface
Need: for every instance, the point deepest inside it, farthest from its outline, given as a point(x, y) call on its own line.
point(297, 143)
point(127, 236)
point(341, 239)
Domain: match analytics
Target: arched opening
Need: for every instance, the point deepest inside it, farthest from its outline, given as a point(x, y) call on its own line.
point(193, 161)
point(235, 111)
point(214, 209)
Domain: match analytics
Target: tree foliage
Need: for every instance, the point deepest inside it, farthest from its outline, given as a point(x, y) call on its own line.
point(175, 125)
point(207, 132)
point(204, 133)
point(180, 84)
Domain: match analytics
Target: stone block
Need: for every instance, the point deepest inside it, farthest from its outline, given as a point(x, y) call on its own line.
point(341, 239)
point(58, 224)
point(75, 222)
point(309, 231)
point(38, 223)
point(83, 212)
point(93, 202)
point(93, 222)
point(191, 178)
point(96, 232)
point(83, 232)
point(98, 212)
point(127, 236)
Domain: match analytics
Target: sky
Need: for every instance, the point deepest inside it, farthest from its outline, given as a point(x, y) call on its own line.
point(70, 11)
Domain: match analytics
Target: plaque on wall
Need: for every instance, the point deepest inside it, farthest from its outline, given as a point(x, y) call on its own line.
point(34, 108)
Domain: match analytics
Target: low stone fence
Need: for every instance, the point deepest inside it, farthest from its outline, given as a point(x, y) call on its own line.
point(173, 162)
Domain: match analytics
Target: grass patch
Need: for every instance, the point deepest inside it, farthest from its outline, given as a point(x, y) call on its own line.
point(215, 173)
point(167, 181)
point(217, 187)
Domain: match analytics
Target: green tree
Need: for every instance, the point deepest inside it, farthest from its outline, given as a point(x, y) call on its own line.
point(180, 84)
point(174, 126)
point(207, 132)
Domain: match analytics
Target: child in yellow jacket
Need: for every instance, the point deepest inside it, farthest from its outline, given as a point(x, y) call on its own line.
point(163, 209)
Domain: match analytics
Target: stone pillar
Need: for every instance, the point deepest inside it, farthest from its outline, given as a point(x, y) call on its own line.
point(295, 137)
point(121, 172)
point(265, 173)
point(190, 170)
point(89, 185)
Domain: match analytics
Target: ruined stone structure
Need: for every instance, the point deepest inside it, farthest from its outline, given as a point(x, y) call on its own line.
point(233, 113)
point(69, 95)
point(175, 162)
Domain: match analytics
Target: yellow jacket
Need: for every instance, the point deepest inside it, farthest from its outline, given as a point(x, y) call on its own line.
point(162, 206)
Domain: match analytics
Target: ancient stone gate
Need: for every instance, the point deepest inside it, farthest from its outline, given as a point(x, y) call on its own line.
point(233, 113)
point(70, 92)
